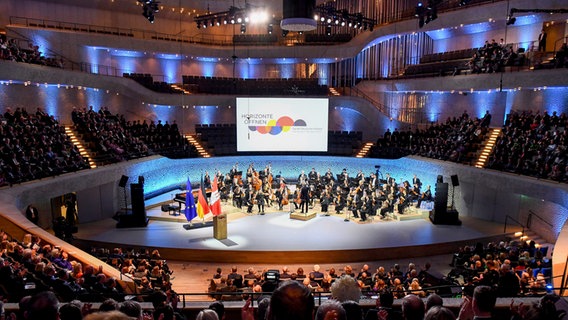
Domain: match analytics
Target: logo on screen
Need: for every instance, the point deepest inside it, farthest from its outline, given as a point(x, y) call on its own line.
point(274, 127)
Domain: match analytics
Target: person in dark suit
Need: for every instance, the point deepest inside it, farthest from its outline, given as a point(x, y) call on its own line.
point(304, 197)
point(426, 196)
point(542, 41)
point(32, 214)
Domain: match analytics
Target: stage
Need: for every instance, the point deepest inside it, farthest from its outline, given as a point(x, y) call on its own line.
point(275, 238)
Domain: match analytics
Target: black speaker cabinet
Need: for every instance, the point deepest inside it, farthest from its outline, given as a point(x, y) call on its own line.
point(137, 216)
point(455, 181)
point(123, 181)
point(441, 197)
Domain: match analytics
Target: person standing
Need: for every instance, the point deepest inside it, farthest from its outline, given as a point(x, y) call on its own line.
point(542, 41)
point(304, 198)
point(32, 214)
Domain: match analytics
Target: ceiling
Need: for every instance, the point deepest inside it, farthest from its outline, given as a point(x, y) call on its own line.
point(274, 6)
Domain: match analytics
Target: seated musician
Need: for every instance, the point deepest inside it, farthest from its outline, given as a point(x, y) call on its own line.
point(328, 177)
point(403, 201)
point(426, 196)
point(313, 175)
point(325, 200)
point(237, 196)
point(249, 199)
point(340, 200)
point(414, 193)
point(387, 206)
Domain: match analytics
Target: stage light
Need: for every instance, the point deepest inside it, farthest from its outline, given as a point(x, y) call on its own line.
point(328, 30)
point(243, 28)
point(270, 28)
point(285, 33)
point(511, 20)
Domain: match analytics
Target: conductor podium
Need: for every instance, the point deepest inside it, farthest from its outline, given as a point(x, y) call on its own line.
point(220, 227)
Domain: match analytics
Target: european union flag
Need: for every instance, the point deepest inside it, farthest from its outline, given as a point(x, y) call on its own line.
point(190, 211)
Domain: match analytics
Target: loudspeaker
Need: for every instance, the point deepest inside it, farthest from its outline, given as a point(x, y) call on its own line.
point(138, 216)
point(441, 198)
point(123, 181)
point(455, 181)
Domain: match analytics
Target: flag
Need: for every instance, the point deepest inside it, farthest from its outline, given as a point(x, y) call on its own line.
point(202, 206)
point(215, 198)
point(190, 211)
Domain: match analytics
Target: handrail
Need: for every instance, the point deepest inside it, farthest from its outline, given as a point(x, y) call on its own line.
point(529, 219)
point(507, 217)
point(358, 93)
point(564, 279)
point(564, 39)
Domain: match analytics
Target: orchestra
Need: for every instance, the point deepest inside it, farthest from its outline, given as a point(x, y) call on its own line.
point(360, 196)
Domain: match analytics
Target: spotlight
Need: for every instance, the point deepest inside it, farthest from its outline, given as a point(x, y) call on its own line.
point(243, 28)
point(270, 28)
point(328, 30)
point(511, 20)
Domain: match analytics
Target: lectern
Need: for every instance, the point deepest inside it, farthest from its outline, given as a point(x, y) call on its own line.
point(220, 227)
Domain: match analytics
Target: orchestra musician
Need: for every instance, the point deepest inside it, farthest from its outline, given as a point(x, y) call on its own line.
point(237, 196)
point(325, 200)
point(426, 196)
point(248, 199)
point(304, 197)
point(312, 175)
point(207, 180)
point(387, 206)
point(302, 178)
point(260, 201)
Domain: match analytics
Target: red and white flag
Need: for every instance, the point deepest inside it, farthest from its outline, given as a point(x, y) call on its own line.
point(215, 200)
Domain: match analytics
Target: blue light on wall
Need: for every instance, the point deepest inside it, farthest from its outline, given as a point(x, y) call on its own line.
point(170, 69)
point(94, 98)
point(163, 112)
point(287, 70)
point(51, 97)
point(208, 68)
point(125, 64)
point(206, 113)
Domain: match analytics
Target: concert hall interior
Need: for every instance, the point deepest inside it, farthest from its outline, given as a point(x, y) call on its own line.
point(228, 133)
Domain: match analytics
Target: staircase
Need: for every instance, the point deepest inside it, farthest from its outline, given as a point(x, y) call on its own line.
point(362, 153)
point(488, 148)
point(540, 242)
point(79, 144)
point(194, 142)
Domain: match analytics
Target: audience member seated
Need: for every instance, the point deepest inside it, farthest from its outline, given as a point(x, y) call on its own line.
point(11, 50)
point(533, 144)
point(453, 141)
point(164, 139)
point(35, 146)
point(107, 135)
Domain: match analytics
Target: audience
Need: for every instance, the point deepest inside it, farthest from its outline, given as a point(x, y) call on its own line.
point(11, 50)
point(533, 144)
point(35, 146)
point(450, 141)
